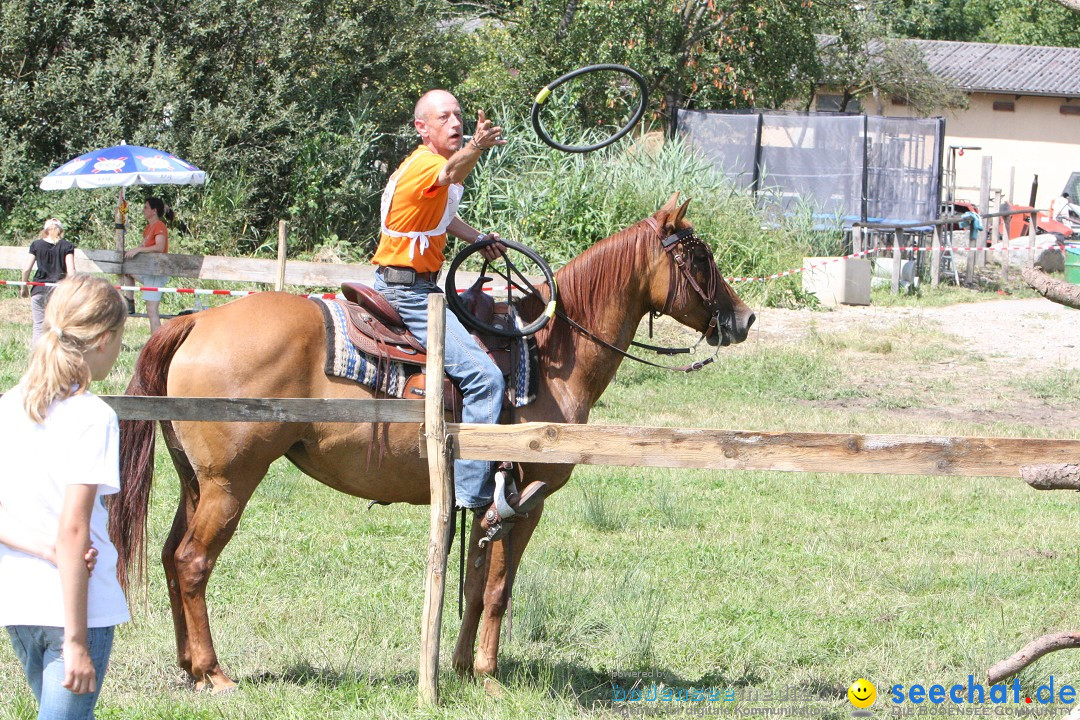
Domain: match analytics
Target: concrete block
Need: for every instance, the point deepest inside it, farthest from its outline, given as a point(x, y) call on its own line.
point(837, 281)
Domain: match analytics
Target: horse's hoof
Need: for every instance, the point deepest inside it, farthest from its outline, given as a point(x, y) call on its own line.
point(223, 689)
point(215, 685)
point(493, 687)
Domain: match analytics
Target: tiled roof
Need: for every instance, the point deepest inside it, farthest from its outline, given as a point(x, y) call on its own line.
point(1006, 69)
point(1009, 69)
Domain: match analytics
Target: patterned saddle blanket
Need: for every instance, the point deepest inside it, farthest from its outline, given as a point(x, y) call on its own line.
point(367, 342)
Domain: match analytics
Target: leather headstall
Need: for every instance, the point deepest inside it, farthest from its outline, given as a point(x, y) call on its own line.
point(680, 245)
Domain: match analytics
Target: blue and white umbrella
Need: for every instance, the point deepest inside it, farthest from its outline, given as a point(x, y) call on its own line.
point(123, 166)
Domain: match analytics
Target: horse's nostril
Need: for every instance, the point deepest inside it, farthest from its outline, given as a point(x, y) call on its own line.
point(750, 320)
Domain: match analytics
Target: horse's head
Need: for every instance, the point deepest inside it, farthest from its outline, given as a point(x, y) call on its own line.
point(692, 290)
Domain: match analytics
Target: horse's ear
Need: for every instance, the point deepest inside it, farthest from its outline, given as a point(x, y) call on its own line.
point(670, 205)
point(677, 216)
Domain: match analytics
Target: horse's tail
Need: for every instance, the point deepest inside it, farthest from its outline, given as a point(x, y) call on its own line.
point(128, 508)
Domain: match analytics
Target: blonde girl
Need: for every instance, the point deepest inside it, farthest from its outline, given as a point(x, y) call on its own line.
point(60, 445)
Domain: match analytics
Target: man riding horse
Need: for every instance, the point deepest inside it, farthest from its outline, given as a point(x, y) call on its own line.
point(419, 208)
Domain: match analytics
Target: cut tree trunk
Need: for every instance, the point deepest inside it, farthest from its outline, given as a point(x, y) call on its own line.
point(1051, 477)
point(1030, 653)
point(1059, 291)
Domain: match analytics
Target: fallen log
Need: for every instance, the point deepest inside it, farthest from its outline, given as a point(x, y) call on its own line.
point(1030, 653)
point(1059, 291)
point(1051, 477)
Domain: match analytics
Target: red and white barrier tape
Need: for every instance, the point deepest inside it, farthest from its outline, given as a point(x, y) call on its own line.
point(188, 291)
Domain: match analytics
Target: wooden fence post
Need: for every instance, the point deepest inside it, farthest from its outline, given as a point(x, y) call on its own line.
point(120, 224)
point(856, 240)
point(984, 207)
point(935, 258)
point(1033, 227)
point(898, 235)
point(969, 273)
point(995, 229)
point(282, 235)
point(440, 469)
point(1006, 258)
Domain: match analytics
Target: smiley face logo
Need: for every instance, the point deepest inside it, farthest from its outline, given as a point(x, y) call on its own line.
point(862, 693)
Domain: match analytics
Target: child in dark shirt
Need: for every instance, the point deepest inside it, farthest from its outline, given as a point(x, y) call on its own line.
point(55, 260)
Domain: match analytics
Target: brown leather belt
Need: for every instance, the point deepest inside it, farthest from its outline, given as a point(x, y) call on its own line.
point(405, 275)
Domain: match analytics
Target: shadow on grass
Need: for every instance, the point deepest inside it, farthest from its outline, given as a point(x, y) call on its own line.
point(592, 689)
point(588, 688)
point(304, 673)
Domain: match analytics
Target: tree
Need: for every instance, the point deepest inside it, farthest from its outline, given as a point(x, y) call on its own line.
point(287, 104)
point(863, 59)
point(1022, 22)
point(694, 53)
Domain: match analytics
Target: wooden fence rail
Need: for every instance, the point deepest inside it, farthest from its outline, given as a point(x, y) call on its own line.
point(623, 445)
point(265, 409)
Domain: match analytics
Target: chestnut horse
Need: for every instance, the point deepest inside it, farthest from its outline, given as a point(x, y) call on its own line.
point(272, 345)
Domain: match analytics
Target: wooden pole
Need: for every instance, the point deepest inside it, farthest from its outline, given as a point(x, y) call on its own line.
point(898, 235)
point(120, 224)
point(856, 239)
point(1007, 248)
point(969, 274)
point(995, 231)
point(984, 207)
point(440, 470)
point(282, 236)
point(935, 258)
point(1033, 228)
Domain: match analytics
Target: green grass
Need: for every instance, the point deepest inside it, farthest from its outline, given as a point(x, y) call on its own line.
point(1058, 388)
point(746, 580)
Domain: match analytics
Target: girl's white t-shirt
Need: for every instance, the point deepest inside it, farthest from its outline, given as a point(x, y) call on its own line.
point(78, 444)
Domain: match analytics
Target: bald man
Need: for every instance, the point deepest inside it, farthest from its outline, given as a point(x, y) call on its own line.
point(419, 208)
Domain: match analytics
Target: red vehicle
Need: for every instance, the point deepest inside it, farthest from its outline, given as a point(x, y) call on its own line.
point(1017, 225)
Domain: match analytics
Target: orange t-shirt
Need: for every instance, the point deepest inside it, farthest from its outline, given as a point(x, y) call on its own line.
point(152, 231)
point(418, 204)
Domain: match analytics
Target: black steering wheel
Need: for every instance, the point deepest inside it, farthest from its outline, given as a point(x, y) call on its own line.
point(516, 280)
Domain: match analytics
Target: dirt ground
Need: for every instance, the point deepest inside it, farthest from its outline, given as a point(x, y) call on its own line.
point(1004, 355)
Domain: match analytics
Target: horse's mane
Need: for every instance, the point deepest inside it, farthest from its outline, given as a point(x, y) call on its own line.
point(602, 272)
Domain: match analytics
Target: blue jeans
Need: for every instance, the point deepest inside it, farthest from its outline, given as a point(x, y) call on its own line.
point(39, 649)
point(481, 382)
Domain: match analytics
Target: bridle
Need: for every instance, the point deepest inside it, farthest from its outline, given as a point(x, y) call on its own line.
point(678, 246)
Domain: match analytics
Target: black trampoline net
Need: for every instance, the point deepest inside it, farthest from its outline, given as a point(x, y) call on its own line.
point(841, 168)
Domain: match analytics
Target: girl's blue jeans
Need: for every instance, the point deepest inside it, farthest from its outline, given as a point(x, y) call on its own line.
point(480, 380)
point(40, 650)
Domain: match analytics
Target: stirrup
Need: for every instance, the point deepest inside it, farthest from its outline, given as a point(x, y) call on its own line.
point(502, 490)
point(498, 527)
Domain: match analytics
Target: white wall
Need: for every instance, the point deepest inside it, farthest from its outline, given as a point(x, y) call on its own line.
point(1035, 139)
